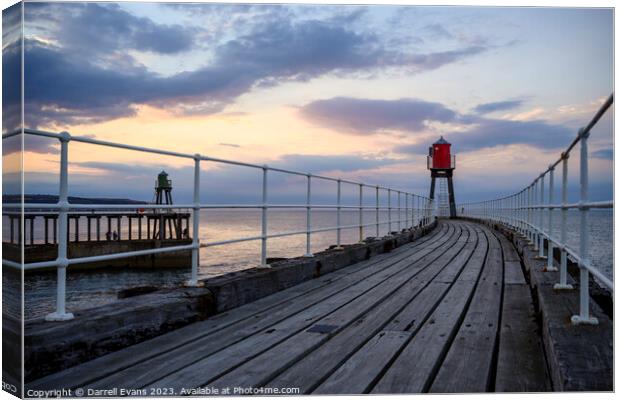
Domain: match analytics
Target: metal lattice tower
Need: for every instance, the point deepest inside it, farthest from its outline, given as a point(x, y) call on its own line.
point(443, 202)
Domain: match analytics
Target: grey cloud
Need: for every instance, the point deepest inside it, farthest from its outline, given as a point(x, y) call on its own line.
point(488, 133)
point(437, 31)
point(497, 106)
point(63, 87)
point(230, 145)
point(104, 28)
point(33, 144)
point(367, 116)
point(326, 163)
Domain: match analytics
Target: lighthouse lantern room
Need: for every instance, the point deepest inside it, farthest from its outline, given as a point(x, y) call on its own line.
point(442, 164)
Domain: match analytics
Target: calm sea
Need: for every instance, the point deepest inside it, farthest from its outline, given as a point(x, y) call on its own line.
point(87, 289)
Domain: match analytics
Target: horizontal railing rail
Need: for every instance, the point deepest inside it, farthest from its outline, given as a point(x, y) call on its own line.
point(524, 212)
point(417, 210)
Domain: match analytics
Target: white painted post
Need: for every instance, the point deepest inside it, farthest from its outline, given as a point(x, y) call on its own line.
point(541, 237)
point(563, 285)
point(389, 212)
point(399, 211)
point(263, 248)
point(338, 230)
point(534, 211)
point(530, 214)
point(308, 216)
point(377, 210)
point(361, 209)
point(550, 266)
point(522, 212)
point(62, 262)
point(416, 210)
point(584, 240)
point(193, 281)
point(407, 226)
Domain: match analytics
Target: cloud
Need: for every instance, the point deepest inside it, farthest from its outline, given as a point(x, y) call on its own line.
point(497, 106)
point(11, 68)
point(498, 132)
point(437, 31)
point(105, 28)
point(66, 87)
point(230, 145)
point(604, 154)
point(368, 116)
point(326, 163)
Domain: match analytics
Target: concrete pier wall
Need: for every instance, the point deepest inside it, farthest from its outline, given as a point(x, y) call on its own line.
point(47, 252)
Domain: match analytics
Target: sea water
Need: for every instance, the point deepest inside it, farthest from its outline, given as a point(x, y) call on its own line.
point(86, 289)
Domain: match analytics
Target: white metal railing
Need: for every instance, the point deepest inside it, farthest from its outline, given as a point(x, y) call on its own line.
point(418, 210)
point(524, 212)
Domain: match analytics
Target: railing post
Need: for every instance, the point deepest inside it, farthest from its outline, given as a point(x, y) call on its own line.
point(563, 285)
point(414, 203)
point(308, 216)
point(513, 210)
point(361, 217)
point(62, 262)
point(193, 281)
point(534, 215)
point(407, 225)
point(338, 201)
point(550, 266)
point(541, 237)
point(377, 210)
point(400, 215)
point(389, 212)
point(584, 240)
point(263, 246)
point(530, 215)
point(522, 212)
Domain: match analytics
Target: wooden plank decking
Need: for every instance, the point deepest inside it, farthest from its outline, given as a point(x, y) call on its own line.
point(450, 312)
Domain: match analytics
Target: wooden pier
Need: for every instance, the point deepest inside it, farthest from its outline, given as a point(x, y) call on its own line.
point(100, 226)
point(450, 312)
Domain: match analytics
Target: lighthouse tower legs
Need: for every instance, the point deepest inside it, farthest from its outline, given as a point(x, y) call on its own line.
point(451, 197)
point(447, 174)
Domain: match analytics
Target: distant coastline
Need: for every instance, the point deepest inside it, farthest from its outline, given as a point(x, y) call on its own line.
point(49, 198)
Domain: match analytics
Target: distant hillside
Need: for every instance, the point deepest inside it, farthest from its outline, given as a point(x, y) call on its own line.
point(48, 198)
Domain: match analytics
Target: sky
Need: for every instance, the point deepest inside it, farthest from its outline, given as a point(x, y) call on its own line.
point(357, 92)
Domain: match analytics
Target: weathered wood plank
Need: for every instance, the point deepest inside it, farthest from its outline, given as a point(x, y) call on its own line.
point(288, 348)
point(448, 275)
point(158, 366)
point(520, 363)
point(186, 338)
point(415, 313)
point(468, 364)
point(412, 370)
point(308, 372)
point(358, 373)
point(224, 360)
point(513, 275)
point(510, 253)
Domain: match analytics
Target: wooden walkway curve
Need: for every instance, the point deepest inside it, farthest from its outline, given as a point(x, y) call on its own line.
point(450, 312)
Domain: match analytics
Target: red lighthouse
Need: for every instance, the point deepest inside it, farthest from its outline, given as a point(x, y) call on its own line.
point(442, 164)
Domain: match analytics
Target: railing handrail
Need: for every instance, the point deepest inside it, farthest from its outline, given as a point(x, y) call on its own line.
point(418, 211)
point(84, 139)
point(523, 211)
